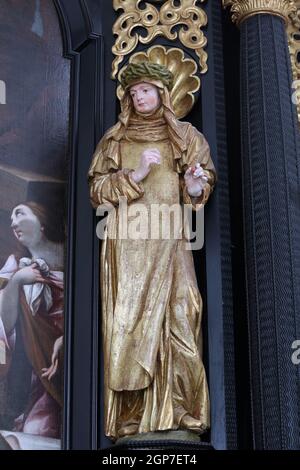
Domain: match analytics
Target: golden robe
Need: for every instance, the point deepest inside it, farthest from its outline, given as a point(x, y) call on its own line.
point(151, 305)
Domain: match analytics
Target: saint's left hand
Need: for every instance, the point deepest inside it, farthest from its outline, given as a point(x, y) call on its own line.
point(195, 180)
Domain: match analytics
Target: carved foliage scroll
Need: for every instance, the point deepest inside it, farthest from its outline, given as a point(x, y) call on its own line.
point(159, 22)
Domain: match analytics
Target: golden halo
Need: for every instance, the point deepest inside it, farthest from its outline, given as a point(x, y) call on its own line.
point(186, 83)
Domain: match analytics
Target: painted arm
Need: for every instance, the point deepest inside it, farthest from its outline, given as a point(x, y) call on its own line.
point(9, 296)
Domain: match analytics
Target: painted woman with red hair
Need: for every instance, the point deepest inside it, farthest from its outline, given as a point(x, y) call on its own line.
point(32, 297)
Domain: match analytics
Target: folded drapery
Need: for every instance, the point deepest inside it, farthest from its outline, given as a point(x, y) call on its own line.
point(38, 291)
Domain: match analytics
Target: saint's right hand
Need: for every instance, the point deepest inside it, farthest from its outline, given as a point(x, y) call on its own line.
point(28, 275)
point(149, 157)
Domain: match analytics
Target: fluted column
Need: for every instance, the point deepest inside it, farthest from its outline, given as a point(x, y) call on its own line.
point(271, 192)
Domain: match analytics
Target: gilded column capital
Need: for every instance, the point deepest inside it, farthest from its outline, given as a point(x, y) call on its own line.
point(243, 9)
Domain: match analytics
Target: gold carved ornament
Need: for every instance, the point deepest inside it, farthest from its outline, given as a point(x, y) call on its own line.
point(242, 9)
point(158, 22)
point(293, 32)
point(186, 82)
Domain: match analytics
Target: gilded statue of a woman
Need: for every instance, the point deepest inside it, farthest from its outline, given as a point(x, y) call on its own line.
point(151, 306)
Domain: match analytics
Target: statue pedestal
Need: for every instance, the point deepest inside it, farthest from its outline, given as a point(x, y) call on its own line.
point(159, 440)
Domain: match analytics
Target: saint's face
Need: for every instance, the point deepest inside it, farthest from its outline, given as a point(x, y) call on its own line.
point(26, 226)
point(145, 97)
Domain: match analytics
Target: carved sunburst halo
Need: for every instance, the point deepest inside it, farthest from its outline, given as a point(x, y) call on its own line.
point(186, 82)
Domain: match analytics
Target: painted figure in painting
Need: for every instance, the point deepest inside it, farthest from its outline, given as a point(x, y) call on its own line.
point(151, 306)
point(31, 298)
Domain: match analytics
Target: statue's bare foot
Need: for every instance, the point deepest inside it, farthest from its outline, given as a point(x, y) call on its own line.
point(128, 430)
point(193, 424)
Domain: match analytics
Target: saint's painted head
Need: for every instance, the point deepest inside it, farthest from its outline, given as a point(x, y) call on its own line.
point(144, 81)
